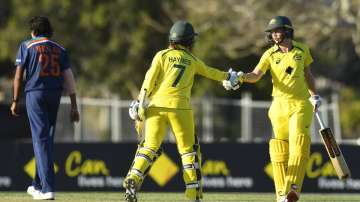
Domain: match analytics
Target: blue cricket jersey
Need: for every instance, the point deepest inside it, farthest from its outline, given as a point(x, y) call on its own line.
point(43, 61)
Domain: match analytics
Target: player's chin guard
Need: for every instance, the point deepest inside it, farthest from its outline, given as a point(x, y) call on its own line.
point(182, 32)
point(279, 22)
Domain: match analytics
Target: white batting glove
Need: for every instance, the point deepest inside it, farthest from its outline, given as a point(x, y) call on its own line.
point(315, 101)
point(227, 84)
point(134, 110)
point(232, 81)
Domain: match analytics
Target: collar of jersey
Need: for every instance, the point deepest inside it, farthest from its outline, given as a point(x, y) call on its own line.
point(40, 37)
point(180, 47)
point(277, 48)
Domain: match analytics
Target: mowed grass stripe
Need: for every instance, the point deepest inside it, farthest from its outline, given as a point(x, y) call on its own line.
point(176, 197)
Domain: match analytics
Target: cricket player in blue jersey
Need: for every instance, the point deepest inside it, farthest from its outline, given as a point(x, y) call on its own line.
point(47, 72)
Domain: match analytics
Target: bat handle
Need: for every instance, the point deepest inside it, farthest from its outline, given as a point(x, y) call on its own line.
point(142, 97)
point(321, 123)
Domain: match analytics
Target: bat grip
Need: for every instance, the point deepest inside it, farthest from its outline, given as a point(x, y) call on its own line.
point(321, 123)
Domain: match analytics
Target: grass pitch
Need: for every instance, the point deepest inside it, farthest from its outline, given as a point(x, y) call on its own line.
point(175, 197)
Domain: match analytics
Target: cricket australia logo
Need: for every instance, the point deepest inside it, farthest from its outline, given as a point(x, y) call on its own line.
point(297, 57)
point(277, 61)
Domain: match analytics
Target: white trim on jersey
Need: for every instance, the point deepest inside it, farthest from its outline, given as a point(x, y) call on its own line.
point(43, 41)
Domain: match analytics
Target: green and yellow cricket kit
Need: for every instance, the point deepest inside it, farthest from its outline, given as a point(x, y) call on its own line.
point(290, 114)
point(168, 83)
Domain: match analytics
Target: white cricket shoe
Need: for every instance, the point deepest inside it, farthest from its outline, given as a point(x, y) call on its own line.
point(31, 190)
point(282, 199)
point(38, 195)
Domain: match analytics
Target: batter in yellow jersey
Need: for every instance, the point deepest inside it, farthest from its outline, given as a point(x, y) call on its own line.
point(290, 113)
point(168, 85)
point(171, 76)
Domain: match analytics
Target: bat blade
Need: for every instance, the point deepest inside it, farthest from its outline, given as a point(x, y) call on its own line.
point(335, 154)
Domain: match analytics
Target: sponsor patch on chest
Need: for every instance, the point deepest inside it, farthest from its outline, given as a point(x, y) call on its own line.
point(298, 57)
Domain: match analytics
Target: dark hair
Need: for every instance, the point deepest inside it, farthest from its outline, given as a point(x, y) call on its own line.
point(41, 26)
point(289, 33)
point(186, 42)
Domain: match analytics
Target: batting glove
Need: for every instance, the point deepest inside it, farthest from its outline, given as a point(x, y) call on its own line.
point(234, 81)
point(133, 110)
point(315, 101)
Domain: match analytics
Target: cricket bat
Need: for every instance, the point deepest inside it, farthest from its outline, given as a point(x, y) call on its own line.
point(333, 150)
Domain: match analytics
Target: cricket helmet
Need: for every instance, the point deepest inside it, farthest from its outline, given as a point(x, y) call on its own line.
point(181, 31)
point(279, 22)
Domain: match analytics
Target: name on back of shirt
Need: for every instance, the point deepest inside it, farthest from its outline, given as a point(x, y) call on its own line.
point(179, 60)
point(47, 49)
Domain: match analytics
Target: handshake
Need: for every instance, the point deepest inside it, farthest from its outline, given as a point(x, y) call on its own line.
point(234, 80)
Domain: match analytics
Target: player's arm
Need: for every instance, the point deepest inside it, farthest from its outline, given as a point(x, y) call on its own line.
point(151, 75)
point(310, 81)
point(16, 90)
point(259, 70)
point(252, 77)
point(315, 99)
point(69, 85)
point(137, 107)
point(210, 72)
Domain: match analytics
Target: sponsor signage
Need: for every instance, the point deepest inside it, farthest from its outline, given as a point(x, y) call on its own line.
point(225, 166)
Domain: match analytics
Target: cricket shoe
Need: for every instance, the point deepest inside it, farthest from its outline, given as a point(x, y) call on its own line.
point(292, 196)
point(38, 195)
point(130, 190)
point(282, 199)
point(31, 190)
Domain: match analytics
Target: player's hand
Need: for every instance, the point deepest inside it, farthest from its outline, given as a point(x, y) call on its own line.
point(234, 81)
point(14, 109)
point(136, 112)
point(74, 115)
point(315, 101)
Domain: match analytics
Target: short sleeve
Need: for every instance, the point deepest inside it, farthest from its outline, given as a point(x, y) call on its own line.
point(308, 58)
point(21, 55)
point(65, 61)
point(264, 63)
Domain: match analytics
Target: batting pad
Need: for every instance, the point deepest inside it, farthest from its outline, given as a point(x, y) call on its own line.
point(299, 149)
point(192, 175)
point(144, 158)
point(279, 155)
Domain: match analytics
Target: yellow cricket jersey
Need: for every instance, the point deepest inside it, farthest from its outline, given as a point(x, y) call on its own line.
point(287, 70)
point(171, 76)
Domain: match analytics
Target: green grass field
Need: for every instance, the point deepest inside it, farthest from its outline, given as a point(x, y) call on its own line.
point(174, 197)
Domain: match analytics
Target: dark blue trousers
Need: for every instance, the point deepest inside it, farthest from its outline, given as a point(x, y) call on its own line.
point(42, 108)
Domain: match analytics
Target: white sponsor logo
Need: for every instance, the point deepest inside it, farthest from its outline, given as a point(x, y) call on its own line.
point(99, 181)
point(228, 182)
point(335, 184)
point(5, 181)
